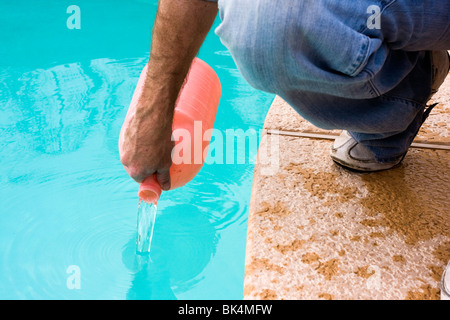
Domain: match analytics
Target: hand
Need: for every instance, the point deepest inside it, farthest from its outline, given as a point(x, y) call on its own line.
point(147, 143)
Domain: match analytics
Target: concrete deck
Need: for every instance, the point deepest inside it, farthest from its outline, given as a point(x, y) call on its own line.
point(318, 231)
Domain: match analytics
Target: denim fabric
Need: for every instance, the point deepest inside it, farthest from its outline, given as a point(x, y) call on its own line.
point(335, 69)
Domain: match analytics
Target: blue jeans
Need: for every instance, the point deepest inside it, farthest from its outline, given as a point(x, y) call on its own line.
point(364, 66)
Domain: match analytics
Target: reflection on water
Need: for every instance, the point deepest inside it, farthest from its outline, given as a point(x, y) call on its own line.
point(65, 103)
point(65, 198)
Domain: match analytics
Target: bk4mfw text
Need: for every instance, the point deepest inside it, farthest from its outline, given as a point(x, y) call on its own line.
point(225, 310)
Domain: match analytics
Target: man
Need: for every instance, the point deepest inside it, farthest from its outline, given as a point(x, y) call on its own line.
point(368, 67)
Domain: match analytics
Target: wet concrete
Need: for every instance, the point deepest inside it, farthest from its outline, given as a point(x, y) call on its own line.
point(319, 231)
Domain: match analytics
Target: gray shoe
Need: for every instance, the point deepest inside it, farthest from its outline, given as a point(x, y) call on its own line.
point(351, 154)
point(445, 283)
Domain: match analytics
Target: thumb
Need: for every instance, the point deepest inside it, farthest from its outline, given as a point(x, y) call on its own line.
point(163, 178)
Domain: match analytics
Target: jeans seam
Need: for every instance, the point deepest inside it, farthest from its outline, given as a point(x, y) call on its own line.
point(372, 86)
point(394, 98)
point(357, 65)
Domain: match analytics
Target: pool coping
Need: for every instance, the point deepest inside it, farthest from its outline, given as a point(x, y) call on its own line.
point(318, 231)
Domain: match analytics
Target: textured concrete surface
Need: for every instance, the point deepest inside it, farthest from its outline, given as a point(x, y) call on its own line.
point(318, 231)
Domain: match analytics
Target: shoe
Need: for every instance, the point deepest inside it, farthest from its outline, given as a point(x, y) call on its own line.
point(445, 283)
point(347, 152)
point(353, 155)
point(441, 68)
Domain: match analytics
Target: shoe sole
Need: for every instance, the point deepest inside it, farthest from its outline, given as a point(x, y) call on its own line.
point(361, 169)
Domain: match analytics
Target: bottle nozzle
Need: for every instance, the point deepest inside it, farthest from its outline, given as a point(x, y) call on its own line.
point(150, 190)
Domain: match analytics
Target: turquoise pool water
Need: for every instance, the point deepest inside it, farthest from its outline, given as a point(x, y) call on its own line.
point(68, 209)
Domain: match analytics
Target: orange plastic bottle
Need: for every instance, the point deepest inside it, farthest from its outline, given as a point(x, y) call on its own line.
point(196, 108)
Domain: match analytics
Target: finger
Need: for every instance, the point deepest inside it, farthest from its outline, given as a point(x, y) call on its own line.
point(138, 178)
point(163, 178)
point(138, 175)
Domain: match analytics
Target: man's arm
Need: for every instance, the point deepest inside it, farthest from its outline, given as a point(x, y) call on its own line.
point(179, 30)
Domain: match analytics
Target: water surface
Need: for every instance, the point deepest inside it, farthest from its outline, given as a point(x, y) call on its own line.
point(65, 198)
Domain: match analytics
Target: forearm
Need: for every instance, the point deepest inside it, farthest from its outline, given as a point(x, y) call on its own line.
point(179, 30)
